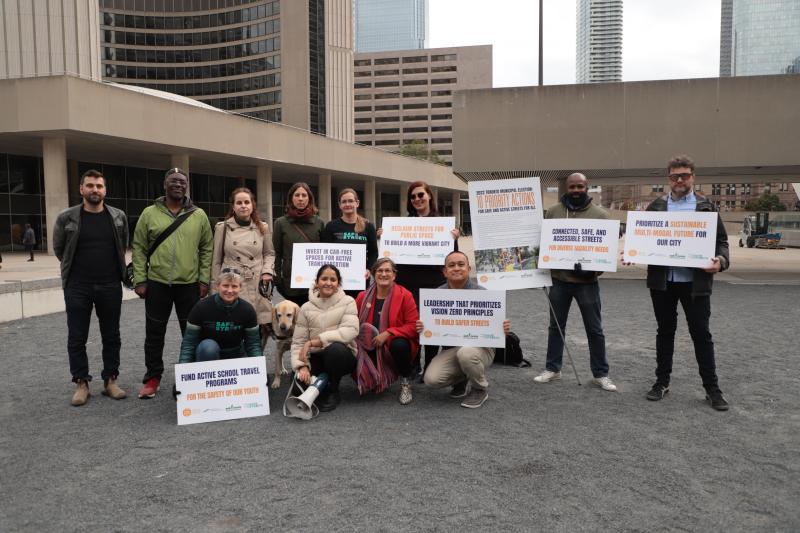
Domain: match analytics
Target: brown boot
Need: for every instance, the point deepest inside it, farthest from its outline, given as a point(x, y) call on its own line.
point(82, 394)
point(112, 390)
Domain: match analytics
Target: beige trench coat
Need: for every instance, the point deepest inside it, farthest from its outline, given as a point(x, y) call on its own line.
point(250, 252)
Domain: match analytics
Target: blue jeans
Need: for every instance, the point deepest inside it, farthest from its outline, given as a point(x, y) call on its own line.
point(207, 350)
point(588, 297)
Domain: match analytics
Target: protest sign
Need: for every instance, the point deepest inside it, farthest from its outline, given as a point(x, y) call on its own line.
point(591, 243)
point(350, 259)
point(686, 239)
point(506, 228)
point(458, 317)
point(221, 390)
point(417, 240)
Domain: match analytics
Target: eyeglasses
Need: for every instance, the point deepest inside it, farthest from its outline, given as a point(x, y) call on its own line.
point(384, 271)
point(231, 270)
point(682, 176)
point(418, 196)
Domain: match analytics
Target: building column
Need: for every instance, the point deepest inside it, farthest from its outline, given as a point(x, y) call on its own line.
point(435, 199)
point(324, 205)
point(56, 182)
point(403, 199)
point(456, 200)
point(181, 161)
point(264, 193)
point(370, 205)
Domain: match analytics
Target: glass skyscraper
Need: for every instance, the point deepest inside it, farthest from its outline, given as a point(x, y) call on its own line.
point(384, 25)
point(763, 37)
point(599, 41)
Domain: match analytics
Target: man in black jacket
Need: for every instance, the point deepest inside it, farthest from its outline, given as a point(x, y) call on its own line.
point(689, 286)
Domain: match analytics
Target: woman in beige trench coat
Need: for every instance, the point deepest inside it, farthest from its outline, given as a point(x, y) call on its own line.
point(243, 242)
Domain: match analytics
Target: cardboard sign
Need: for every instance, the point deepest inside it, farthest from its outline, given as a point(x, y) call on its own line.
point(350, 259)
point(684, 239)
point(221, 390)
point(458, 317)
point(591, 243)
point(417, 240)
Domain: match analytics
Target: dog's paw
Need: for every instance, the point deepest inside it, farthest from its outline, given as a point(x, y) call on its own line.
point(276, 383)
point(284, 371)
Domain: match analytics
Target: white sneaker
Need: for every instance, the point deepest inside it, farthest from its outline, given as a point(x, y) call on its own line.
point(547, 376)
point(605, 383)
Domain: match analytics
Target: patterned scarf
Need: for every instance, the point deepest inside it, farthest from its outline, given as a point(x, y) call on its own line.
point(301, 215)
point(370, 376)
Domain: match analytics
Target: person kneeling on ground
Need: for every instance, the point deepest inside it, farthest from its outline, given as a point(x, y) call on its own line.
point(324, 336)
point(222, 326)
point(462, 367)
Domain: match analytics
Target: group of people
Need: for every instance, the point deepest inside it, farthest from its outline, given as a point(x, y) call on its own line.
point(220, 287)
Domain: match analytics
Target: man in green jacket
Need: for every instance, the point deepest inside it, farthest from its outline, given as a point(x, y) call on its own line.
point(177, 273)
point(580, 285)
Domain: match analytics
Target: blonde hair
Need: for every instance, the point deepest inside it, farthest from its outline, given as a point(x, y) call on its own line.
point(361, 222)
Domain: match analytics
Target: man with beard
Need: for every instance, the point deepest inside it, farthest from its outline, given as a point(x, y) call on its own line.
point(580, 285)
point(175, 273)
point(90, 240)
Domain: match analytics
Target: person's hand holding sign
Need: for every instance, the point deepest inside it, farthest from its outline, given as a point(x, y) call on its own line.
point(715, 267)
point(419, 326)
point(506, 327)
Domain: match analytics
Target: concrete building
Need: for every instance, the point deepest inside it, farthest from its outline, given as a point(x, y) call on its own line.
point(383, 25)
point(407, 95)
point(762, 37)
point(599, 41)
point(286, 61)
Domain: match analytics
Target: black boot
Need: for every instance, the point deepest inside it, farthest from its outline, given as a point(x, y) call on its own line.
point(329, 401)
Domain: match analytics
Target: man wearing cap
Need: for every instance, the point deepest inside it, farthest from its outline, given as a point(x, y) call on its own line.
point(176, 274)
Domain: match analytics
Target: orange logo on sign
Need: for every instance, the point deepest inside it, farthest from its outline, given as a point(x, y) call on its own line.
point(428, 333)
point(298, 279)
point(484, 279)
point(387, 253)
point(632, 253)
point(187, 412)
point(545, 258)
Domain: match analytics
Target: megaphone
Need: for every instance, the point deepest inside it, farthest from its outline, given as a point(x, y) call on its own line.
point(302, 406)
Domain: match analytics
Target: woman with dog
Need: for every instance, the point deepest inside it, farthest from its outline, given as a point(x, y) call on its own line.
point(324, 336)
point(390, 308)
point(242, 241)
point(300, 224)
point(352, 228)
point(223, 326)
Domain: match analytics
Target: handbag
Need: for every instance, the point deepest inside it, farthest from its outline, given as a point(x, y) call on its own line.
point(512, 354)
point(128, 281)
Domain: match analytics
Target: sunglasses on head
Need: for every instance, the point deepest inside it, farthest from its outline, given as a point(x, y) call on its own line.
point(231, 270)
point(418, 196)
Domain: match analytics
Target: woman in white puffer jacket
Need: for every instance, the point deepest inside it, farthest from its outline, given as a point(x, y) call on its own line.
point(324, 335)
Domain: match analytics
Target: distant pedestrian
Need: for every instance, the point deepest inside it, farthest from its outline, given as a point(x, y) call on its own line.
point(29, 240)
point(173, 270)
point(689, 286)
point(89, 240)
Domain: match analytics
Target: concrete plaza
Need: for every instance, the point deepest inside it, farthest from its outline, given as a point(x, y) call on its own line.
point(556, 457)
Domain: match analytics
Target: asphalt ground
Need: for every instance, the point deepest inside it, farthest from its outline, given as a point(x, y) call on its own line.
point(554, 457)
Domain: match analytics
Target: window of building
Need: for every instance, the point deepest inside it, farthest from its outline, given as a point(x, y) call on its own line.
point(362, 62)
point(449, 68)
point(379, 84)
point(363, 85)
point(383, 131)
point(408, 83)
point(415, 70)
point(387, 119)
point(415, 59)
point(363, 132)
point(390, 107)
point(417, 129)
point(443, 81)
point(365, 120)
point(415, 106)
point(362, 74)
point(388, 61)
point(363, 108)
point(387, 142)
point(442, 128)
point(444, 57)
point(387, 72)
point(716, 189)
point(387, 96)
point(441, 141)
point(417, 94)
point(441, 117)
point(411, 118)
point(441, 93)
point(363, 97)
point(442, 104)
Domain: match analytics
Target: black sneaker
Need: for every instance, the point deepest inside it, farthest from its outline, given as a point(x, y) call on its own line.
point(717, 401)
point(459, 390)
point(329, 402)
point(475, 398)
point(657, 392)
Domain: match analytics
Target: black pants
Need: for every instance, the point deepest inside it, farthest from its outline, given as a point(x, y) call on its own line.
point(106, 298)
point(158, 304)
point(336, 360)
point(698, 312)
point(400, 349)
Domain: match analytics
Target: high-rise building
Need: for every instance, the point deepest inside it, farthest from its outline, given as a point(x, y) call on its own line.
point(599, 41)
point(288, 62)
point(763, 37)
point(405, 96)
point(383, 25)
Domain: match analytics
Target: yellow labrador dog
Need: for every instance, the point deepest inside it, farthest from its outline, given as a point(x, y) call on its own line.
point(284, 317)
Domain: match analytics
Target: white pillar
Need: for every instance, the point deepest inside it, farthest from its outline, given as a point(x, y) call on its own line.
point(456, 200)
point(56, 182)
point(324, 200)
point(264, 193)
point(370, 206)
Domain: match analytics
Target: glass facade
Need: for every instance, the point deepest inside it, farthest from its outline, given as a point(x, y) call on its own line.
point(225, 53)
point(21, 201)
point(316, 62)
point(764, 37)
point(382, 25)
point(599, 41)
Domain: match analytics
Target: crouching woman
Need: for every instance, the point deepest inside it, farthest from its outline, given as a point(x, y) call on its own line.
point(324, 336)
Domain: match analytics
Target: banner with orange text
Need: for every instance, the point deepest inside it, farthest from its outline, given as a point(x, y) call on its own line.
point(459, 317)
point(417, 240)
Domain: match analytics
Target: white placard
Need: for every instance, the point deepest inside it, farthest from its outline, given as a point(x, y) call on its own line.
point(221, 390)
point(350, 259)
point(682, 238)
point(591, 243)
point(506, 229)
point(417, 240)
point(459, 317)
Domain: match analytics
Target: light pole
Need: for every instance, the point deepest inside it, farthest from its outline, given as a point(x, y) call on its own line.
point(541, 42)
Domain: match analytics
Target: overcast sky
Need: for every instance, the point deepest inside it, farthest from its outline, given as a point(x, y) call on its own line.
point(662, 39)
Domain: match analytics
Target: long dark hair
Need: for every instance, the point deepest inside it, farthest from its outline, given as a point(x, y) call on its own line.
point(311, 202)
point(253, 215)
point(432, 203)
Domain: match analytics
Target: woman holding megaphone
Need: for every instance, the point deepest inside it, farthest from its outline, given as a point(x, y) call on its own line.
point(324, 336)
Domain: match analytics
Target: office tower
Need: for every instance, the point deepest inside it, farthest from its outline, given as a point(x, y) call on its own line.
point(383, 25)
point(599, 41)
point(404, 96)
point(287, 62)
point(725, 30)
point(764, 37)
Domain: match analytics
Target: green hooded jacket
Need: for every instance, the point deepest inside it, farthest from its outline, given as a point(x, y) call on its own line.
point(185, 257)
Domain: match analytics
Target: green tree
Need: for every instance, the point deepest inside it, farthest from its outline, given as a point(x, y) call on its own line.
point(419, 149)
point(765, 202)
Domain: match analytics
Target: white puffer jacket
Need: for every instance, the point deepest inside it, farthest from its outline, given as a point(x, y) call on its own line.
point(333, 319)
